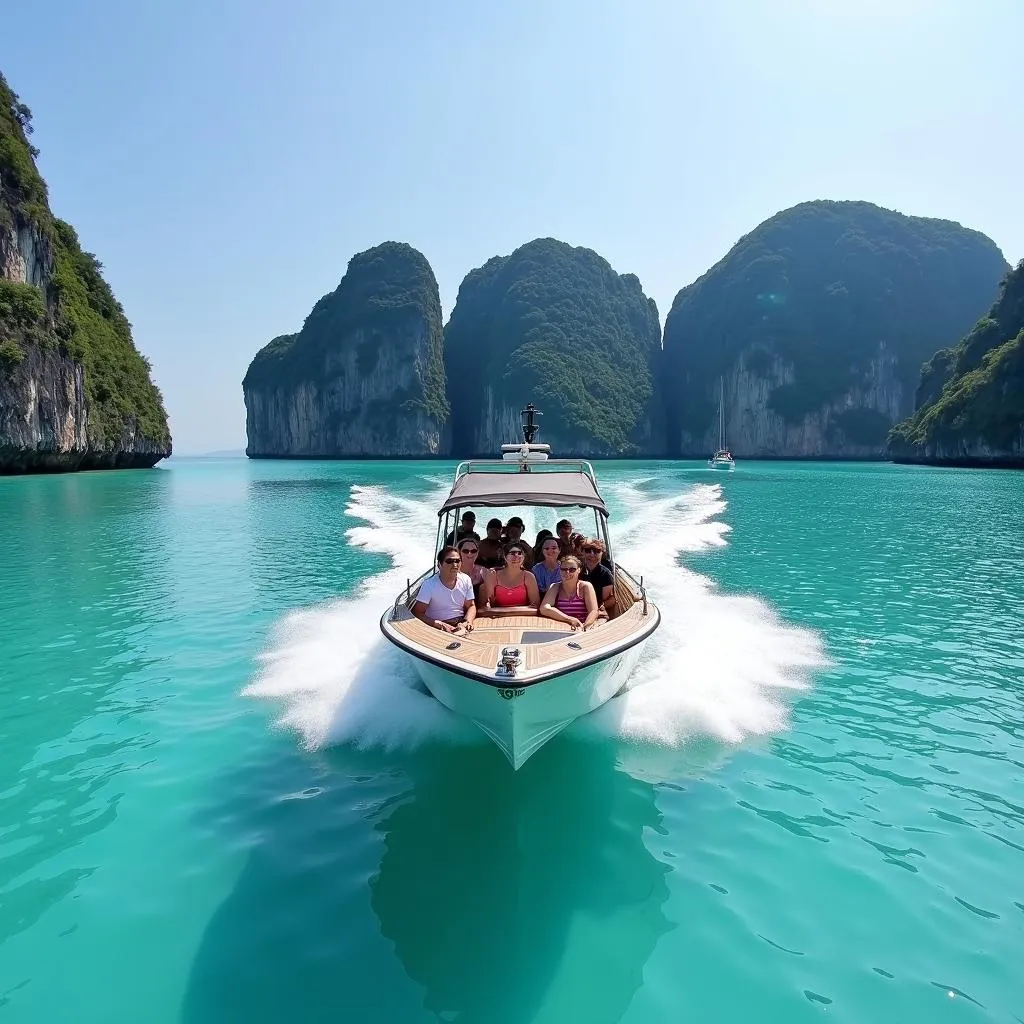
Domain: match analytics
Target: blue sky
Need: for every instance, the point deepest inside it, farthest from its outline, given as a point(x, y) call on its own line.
point(225, 159)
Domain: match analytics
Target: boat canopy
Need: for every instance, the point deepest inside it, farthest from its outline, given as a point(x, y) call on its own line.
point(548, 489)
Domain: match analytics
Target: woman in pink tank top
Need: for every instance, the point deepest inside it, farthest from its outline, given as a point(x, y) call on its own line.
point(572, 600)
point(512, 590)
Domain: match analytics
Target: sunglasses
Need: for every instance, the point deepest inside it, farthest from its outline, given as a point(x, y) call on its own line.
point(591, 551)
point(570, 568)
point(469, 551)
point(516, 553)
point(453, 561)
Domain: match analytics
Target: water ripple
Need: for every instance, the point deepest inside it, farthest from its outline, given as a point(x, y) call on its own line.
point(758, 837)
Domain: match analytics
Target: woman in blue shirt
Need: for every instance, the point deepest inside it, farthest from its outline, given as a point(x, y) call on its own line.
point(548, 571)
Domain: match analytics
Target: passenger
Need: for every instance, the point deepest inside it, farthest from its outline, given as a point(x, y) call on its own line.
point(538, 543)
point(596, 573)
point(571, 600)
point(445, 600)
point(467, 528)
point(563, 529)
point(469, 549)
point(512, 590)
point(576, 545)
point(489, 555)
point(514, 535)
point(547, 570)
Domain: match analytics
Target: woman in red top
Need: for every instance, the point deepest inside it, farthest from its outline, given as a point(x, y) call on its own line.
point(512, 590)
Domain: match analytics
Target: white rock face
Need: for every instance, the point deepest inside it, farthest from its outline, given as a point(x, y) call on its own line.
point(25, 256)
point(44, 415)
point(754, 430)
point(347, 411)
point(501, 423)
point(969, 450)
point(44, 421)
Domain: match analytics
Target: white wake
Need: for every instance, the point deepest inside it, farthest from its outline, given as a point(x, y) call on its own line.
point(720, 666)
point(330, 668)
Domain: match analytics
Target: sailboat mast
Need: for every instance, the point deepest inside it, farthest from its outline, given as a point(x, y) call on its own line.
point(721, 413)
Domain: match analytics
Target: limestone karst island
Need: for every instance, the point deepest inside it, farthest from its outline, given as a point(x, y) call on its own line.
point(833, 330)
point(75, 393)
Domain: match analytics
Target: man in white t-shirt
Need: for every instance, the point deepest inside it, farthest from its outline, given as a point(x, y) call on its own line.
point(445, 601)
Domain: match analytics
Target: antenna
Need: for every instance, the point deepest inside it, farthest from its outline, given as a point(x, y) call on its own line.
point(529, 427)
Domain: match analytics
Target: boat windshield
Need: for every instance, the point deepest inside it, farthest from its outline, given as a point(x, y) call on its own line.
point(548, 489)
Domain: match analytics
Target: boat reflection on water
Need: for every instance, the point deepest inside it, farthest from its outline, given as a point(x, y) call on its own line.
point(523, 897)
point(435, 886)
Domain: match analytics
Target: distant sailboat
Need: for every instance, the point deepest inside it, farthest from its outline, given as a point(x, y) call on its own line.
point(722, 459)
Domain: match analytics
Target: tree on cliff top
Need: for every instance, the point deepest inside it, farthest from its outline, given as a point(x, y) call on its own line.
point(22, 190)
point(821, 285)
point(383, 289)
point(975, 391)
point(556, 325)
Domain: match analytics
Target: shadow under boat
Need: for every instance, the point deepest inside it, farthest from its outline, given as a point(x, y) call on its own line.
point(506, 898)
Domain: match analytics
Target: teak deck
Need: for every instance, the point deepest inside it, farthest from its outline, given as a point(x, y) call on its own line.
point(481, 648)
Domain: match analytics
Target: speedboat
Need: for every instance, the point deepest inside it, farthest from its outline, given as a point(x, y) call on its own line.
point(722, 459)
point(523, 678)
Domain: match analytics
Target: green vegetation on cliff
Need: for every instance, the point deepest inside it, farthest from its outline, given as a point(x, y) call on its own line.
point(821, 287)
point(78, 313)
point(22, 190)
point(385, 290)
point(974, 393)
point(556, 325)
point(93, 329)
point(22, 321)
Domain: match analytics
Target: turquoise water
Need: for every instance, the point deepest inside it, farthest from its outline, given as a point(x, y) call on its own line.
point(221, 799)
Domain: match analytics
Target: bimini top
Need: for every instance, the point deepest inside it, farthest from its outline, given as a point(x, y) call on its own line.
point(552, 489)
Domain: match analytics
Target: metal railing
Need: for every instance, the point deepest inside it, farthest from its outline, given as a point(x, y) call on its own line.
point(488, 465)
point(410, 586)
point(638, 585)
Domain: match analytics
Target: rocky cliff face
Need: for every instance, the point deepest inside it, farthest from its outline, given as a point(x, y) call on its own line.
point(44, 421)
point(852, 425)
point(966, 451)
point(74, 391)
point(556, 325)
point(26, 256)
point(364, 377)
point(500, 422)
point(344, 412)
point(818, 322)
point(970, 402)
point(42, 412)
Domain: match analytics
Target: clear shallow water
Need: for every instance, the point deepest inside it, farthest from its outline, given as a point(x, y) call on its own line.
point(222, 800)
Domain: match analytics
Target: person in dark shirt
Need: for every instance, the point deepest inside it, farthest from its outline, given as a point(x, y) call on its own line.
point(491, 555)
point(514, 535)
point(467, 528)
point(564, 530)
point(598, 575)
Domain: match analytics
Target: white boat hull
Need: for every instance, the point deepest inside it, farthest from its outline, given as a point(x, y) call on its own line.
point(519, 718)
point(726, 464)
